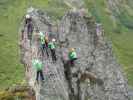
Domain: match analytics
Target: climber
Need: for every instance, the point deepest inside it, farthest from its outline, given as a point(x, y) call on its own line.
point(51, 45)
point(44, 42)
point(28, 19)
point(37, 64)
point(29, 25)
point(72, 56)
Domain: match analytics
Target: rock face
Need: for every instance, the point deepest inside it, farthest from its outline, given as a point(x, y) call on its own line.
point(96, 74)
point(95, 56)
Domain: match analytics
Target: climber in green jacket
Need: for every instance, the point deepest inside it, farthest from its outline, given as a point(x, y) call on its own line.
point(37, 64)
point(44, 42)
point(72, 56)
point(52, 47)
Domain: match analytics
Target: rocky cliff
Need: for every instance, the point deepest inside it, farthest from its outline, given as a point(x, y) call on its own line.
point(96, 74)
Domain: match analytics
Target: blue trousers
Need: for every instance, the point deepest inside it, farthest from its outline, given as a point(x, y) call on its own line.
point(40, 73)
point(44, 47)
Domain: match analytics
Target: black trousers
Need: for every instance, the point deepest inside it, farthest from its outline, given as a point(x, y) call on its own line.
point(40, 73)
point(72, 61)
point(44, 47)
point(53, 54)
point(29, 31)
point(27, 21)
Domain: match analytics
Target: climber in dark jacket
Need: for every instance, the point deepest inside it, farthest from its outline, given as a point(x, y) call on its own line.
point(28, 19)
point(72, 56)
point(52, 47)
point(29, 25)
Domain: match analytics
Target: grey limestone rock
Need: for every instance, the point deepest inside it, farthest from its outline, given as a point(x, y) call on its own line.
point(96, 74)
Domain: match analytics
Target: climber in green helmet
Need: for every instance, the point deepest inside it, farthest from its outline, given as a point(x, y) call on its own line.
point(37, 64)
point(44, 42)
point(52, 47)
point(72, 56)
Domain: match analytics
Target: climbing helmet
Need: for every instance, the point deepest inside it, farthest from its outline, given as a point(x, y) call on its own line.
point(27, 16)
point(53, 40)
point(71, 49)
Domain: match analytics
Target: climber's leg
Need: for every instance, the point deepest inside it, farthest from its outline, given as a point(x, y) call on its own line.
point(47, 52)
point(53, 55)
point(41, 75)
point(42, 48)
point(72, 61)
point(46, 43)
point(37, 76)
point(46, 49)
